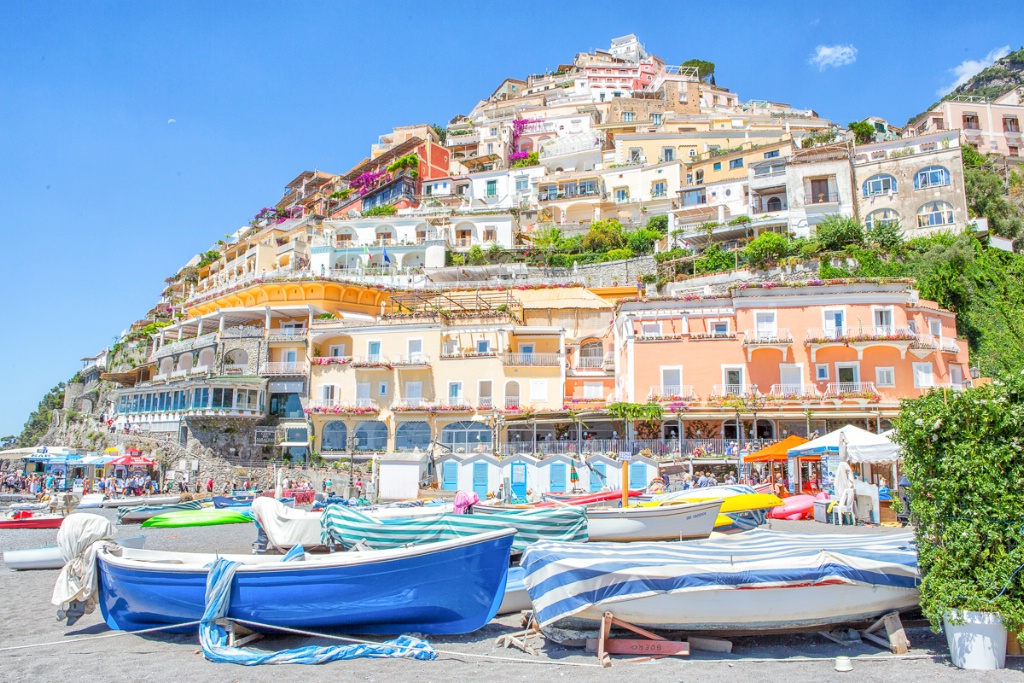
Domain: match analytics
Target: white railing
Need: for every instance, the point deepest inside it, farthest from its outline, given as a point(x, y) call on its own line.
point(512, 402)
point(861, 333)
point(199, 370)
point(338, 404)
point(285, 368)
point(793, 392)
point(590, 362)
point(418, 403)
point(236, 368)
point(949, 345)
point(372, 360)
point(732, 390)
point(179, 373)
point(455, 402)
point(411, 359)
point(287, 333)
point(485, 402)
point(161, 377)
point(842, 389)
point(779, 336)
point(672, 392)
point(533, 359)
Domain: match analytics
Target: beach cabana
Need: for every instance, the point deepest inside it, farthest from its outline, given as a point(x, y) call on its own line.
point(601, 472)
point(520, 471)
point(553, 474)
point(400, 475)
point(641, 470)
point(480, 473)
point(448, 471)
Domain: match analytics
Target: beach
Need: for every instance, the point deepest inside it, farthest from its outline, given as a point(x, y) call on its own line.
point(28, 619)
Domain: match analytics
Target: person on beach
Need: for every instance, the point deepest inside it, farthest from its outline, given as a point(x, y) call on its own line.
point(209, 485)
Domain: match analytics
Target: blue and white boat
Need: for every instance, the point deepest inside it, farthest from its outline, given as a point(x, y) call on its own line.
point(140, 513)
point(757, 581)
point(441, 588)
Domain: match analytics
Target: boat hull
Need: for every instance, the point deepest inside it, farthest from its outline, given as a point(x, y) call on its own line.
point(33, 523)
point(139, 500)
point(761, 609)
point(668, 523)
point(444, 588)
point(516, 599)
point(50, 557)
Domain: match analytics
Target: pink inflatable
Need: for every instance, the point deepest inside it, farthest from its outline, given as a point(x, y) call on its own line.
point(800, 506)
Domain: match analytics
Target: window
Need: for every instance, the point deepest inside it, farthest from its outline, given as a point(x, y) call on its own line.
point(766, 329)
point(698, 177)
point(718, 166)
point(883, 183)
point(668, 154)
point(538, 390)
point(490, 148)
point(371, 436)
point(935, 213)
point(373, 351)
point(454, 392)
point(736, 163)
point(881, 217)
point(772, 154)
point(494, 132)
point(1013, 151)
point(834, 323)
point(327, 393)
point(885, 377)
point(415, 349)
point(523, 184)
point(659, 189)
point(489, 235)
point(932, 176)
point(334, 436)
point(627, 116)
point(483, 345)
point(732, 378)
point(465, 435)
point(492, 188)
point(413, 392)
point(656, 120)
point(651, 329)
point(883, 321)
point(971, 122)
point(429, 190)
point(337, 350)
point(720, 329)
point(849, 374)
point(593, 390)
point(935, 327)
point(382, 388)
point(412, 435)
point(671, 381)
point(1010, 124)
point(923, 375)
point(692, 152)
point(636, 155)
point(622, 194)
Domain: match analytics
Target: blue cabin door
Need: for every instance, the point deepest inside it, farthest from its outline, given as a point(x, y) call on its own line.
point(450, 476)
point(480, 479)
point(557, 477)
point(637, 475)
point(598, 476)
point(519, 480)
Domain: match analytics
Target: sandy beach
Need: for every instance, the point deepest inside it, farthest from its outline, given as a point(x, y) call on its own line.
point(28, 619)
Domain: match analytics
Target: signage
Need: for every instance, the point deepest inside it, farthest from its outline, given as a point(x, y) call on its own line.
point(625, 456)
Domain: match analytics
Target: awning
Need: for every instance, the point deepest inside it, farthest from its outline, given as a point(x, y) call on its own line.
point(777, 451)
point(17, 453)
point(861, 446)
point(132, 461)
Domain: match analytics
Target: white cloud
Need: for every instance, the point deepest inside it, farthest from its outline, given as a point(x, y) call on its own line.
point(171, 121)
point(833, 55)
point(968, 68)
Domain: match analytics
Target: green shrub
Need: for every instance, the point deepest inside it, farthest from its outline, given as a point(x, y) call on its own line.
point(674, 253)
point(616, 255)
point(476, 255)
point(382, 210)
point(714, 260)
point(642, 241)
point(767, 247)
point(885, 235)
point(659, 223)
point(835, 232)
point(604, 235)
point(962, 456)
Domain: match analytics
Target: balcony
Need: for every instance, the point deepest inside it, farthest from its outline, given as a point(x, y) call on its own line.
point(670, 393)
point(485, 403)
point(779, 339)
point(161, 377)
point(373, 362)
point(512, 403)
point(462, 242)
point(732, 392)
point(822, 198)
point(289, 247)
point(533, 359)
point(925, 344)
point(285, 368)
point(236, 368)
point(590, 362)
point(359, 406)
point(862, 392)
point(179, 374)
point(287, 334)
point(859, 338)
point(454, 404)
point(412, 405)
point(460, 140)
point(652, 335)
point(413, 360)
point(199, 370)
point(795, 393)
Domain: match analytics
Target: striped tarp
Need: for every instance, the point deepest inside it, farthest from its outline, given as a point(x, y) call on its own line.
point(564, 579)
point(158, 509)
point(347, 527)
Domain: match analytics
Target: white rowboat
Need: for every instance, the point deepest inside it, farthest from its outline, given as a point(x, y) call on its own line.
point(50, 558)
point(669, 523)
point(140, 500)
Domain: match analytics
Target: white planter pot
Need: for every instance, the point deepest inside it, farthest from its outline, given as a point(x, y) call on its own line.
point(977, 643)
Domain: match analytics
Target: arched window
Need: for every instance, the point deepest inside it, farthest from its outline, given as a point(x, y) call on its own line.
point(932, 176)
point(591, 355)
point(881, 217)
point(237, 357)
point(410, 435)
point(371, 436)
point(883, 183)
point(334, 436)
point(774, 204)
point(465, 435)
point(206, 358)
point(935, 213)
point(167, 366)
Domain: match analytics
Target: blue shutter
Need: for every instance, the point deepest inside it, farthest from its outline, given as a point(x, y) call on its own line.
point(637, 475)
point(598, 476)
point(557, 477)
point(451, 476)
point(480, 479)
point(519, 480)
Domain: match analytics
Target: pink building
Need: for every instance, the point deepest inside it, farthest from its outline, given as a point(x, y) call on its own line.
point(795, 358)
point(990, 126)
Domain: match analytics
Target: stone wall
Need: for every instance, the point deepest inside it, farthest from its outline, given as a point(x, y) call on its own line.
point(720, 283)
point(621, 272)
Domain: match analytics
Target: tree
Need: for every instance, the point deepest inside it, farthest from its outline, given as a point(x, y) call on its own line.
point(705, 69)
point(835, 232)
point(441, 131)
point(547, 239)
point(714, 260)
point(886, 235)
point(39, 420)
point(659, 223)
point(863, 132)
point(531, 159)
point(604, 235)
point(476, 255)
point(642, 241)
point(765, 248)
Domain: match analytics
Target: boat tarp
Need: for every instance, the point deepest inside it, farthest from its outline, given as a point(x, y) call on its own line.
point(204, 517)
point(157, 509)
point(564, 579)
point(286, 527)
point(348, 527)
point(214, 639)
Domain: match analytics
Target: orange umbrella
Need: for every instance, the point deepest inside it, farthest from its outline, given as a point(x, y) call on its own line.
point(777, 451)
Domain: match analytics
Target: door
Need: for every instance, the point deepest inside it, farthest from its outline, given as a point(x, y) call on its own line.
point(637, 475)
point(834, 324)
point(819, 190)
point(373, 351)
point(791, 379)
point(414, 393)
point(415, 350)
point(883, 321)
point(956, 376)
point(290, 356)
point(450, 476)
point(557, 477)
point(734, 381)
point(849, 377)
point(480, 479)
point(671, 381)
point(766, 330)
point(598, 476)
point(363, 393)
point(519, 480)
point(526, 349)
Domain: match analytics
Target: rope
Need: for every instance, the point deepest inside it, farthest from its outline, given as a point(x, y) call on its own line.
point(348, 639)
point(116, 634)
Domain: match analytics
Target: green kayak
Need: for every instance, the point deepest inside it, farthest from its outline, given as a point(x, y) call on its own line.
point(204, 517)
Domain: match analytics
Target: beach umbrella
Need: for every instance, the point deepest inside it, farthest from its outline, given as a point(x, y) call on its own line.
point(573, 474)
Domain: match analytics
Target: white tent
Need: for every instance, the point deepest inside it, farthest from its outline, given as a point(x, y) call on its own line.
point(862, 446)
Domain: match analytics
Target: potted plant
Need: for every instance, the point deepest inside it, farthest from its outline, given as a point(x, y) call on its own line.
point(961, 454)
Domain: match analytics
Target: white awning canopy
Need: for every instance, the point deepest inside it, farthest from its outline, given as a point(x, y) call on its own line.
point(862, 446)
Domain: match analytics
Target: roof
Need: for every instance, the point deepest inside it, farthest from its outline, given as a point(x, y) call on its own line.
point(568, 297)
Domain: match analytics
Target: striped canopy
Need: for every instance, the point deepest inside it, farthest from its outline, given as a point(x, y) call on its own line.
point(564, 579)
point(348, 527)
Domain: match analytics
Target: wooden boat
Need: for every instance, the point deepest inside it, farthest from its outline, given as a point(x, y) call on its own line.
point(50, 557)
point(742, 507)
point(140, 513)
point(91, 500)
point(140, 500)
point(668, 523)
point(516, 597)
point(442, 588)
point(26, 519)
point(588, 499)
point(758, 581)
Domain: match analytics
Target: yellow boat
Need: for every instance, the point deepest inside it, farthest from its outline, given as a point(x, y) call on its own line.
point(740, 511)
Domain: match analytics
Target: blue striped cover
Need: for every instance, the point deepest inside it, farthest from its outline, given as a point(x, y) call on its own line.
point(564, 579)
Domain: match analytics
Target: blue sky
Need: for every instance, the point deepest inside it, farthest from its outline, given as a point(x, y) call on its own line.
point(107, 197)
